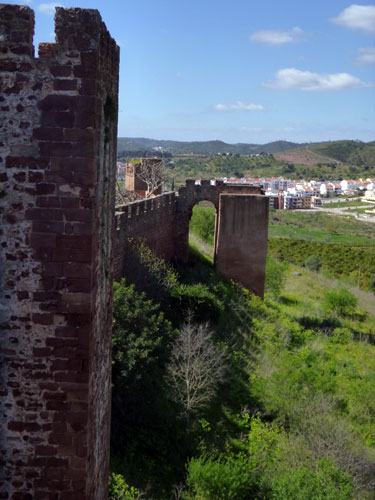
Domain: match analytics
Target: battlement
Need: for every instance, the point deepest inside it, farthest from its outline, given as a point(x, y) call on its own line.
point(140, 207)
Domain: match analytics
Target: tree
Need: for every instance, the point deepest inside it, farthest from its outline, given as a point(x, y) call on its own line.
point(151, 171)
point(196, 367)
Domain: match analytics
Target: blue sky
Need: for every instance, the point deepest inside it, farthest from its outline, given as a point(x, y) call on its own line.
point(239, 70)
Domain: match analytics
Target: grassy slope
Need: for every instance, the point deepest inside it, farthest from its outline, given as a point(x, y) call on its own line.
point(321, 227)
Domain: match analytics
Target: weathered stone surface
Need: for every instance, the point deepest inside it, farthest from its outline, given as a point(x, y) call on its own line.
point(163, 223)
point(57, 174)
point(241, 242)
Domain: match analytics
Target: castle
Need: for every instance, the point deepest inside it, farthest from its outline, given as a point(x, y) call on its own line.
point(61, 243)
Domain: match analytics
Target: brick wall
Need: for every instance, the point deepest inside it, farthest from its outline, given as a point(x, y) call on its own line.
point(57, 171)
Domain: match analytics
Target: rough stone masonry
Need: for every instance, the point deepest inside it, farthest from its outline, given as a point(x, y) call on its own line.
point(58, 132)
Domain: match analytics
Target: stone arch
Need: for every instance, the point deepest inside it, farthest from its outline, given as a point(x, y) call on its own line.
point(216, 223)
point(188, 196)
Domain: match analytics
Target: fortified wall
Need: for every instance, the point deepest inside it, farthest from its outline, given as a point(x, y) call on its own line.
point(162, 223)
point(58, 134)
point(58, 236)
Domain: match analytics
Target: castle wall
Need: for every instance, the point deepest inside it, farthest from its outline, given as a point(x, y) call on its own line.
point(241, 247)
point(57, 178)
point(152, 220)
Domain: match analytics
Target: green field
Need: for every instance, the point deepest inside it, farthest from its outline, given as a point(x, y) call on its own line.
point(339, 204)
point(318, 225)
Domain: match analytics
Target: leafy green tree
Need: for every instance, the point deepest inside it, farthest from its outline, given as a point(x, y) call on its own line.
point(141, 336)
point(143, 419)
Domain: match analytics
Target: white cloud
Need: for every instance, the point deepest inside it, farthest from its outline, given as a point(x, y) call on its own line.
point(357, 17)
point(48, 8)
point(19, 2)
point(291, 78)
point(239, 106)
point(366, 55)
point(277, 37)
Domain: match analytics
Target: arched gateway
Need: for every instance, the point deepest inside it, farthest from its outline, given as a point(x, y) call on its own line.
point(60, 244)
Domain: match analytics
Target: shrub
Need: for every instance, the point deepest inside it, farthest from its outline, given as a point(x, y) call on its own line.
point(326, 482)
point(275, 276)
point(118, 489)
point(201, 303)
point(238, 475)
point(341, 336)
point(227, 478)
point(340, 301)
point(313, 263)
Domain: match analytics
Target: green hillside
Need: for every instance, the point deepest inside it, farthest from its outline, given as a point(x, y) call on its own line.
point(288, 383)
point(350, 152)
point(200, 147)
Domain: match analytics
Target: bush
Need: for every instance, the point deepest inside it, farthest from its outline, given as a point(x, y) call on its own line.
point(238, 475)
point(118, 489)
point(313, 263)
point(201, 303)
point(227, 478)
point(326, 482)
point(340, 301)
point(341, 336)
point(275, 276)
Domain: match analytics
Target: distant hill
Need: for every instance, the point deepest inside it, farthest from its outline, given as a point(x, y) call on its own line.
point(349, 152)
point(200, 147)
point(305, 156)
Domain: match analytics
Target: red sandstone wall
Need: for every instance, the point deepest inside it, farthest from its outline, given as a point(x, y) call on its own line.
point(57, 171)
point(241, 247)
point(153, 220)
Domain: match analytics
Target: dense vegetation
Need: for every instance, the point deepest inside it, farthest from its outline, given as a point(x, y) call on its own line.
point(344, 245)
point(288, 412)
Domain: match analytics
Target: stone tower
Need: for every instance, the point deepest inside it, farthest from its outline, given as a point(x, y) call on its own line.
point(58, 134)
